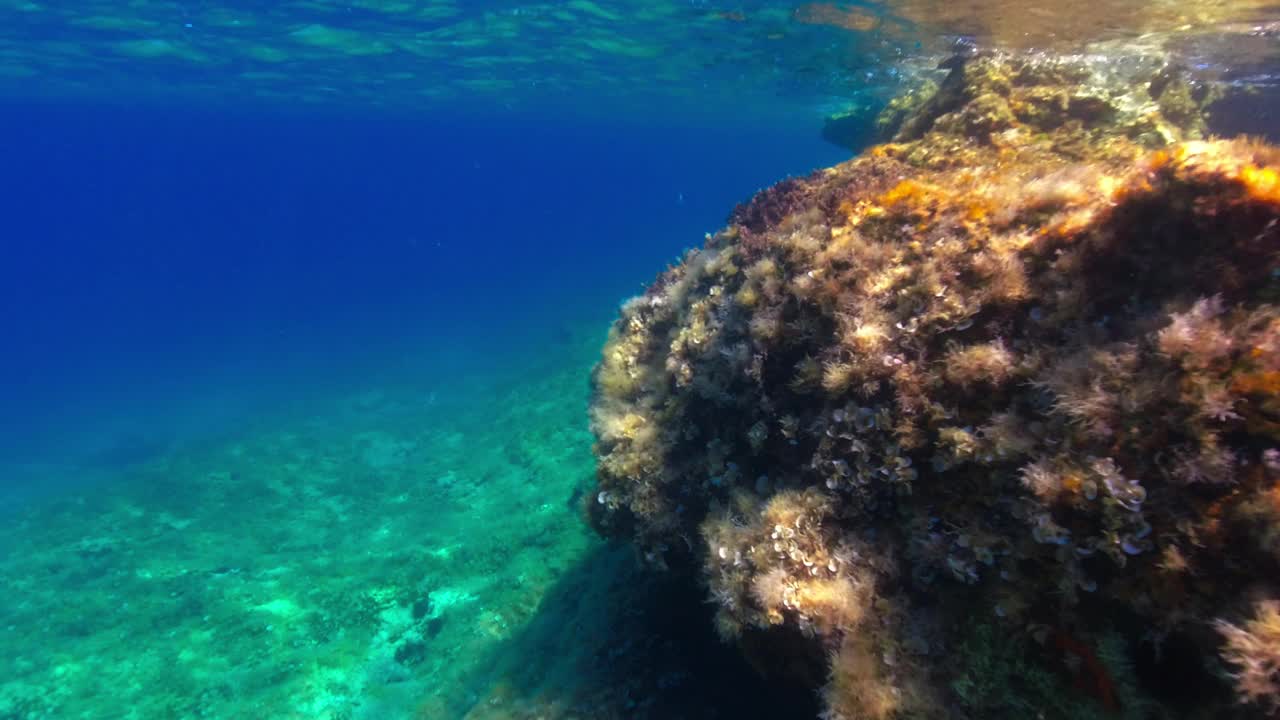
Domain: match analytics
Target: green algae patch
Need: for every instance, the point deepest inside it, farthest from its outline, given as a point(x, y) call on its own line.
point(345, 41)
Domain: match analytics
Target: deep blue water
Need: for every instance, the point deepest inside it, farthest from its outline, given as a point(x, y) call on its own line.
point(174, 271)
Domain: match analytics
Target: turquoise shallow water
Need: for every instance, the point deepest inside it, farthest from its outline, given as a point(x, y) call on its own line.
point(403, 542)
point(299, 304)
point(336, 558)
point(297, 420)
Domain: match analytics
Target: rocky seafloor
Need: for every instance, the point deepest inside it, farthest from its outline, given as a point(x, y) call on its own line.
point(391, 547)
point(335, 562)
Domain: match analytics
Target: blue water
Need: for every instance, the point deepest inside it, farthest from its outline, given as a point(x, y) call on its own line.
point(298, 306)
point(171, 271)
point(290, 354)
point(209, 314)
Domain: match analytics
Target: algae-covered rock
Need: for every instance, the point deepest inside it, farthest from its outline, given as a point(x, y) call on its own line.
point(985, 422)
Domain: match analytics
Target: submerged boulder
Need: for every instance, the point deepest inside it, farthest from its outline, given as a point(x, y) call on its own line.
point(984, 422)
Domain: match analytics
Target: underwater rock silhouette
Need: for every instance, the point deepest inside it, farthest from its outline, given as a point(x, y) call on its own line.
point(985, 421)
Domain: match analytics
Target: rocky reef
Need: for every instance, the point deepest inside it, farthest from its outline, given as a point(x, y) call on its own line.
point(984, 422)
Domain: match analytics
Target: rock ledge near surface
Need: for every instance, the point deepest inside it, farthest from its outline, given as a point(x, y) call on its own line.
point(984, 422)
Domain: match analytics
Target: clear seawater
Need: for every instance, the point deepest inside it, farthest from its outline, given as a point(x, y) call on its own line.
point(298, 303)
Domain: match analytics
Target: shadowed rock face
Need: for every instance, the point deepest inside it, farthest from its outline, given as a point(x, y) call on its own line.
point(984, 421)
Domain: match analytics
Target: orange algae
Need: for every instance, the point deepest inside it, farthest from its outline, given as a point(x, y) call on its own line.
point(1258, 383)
point(1263, 183)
